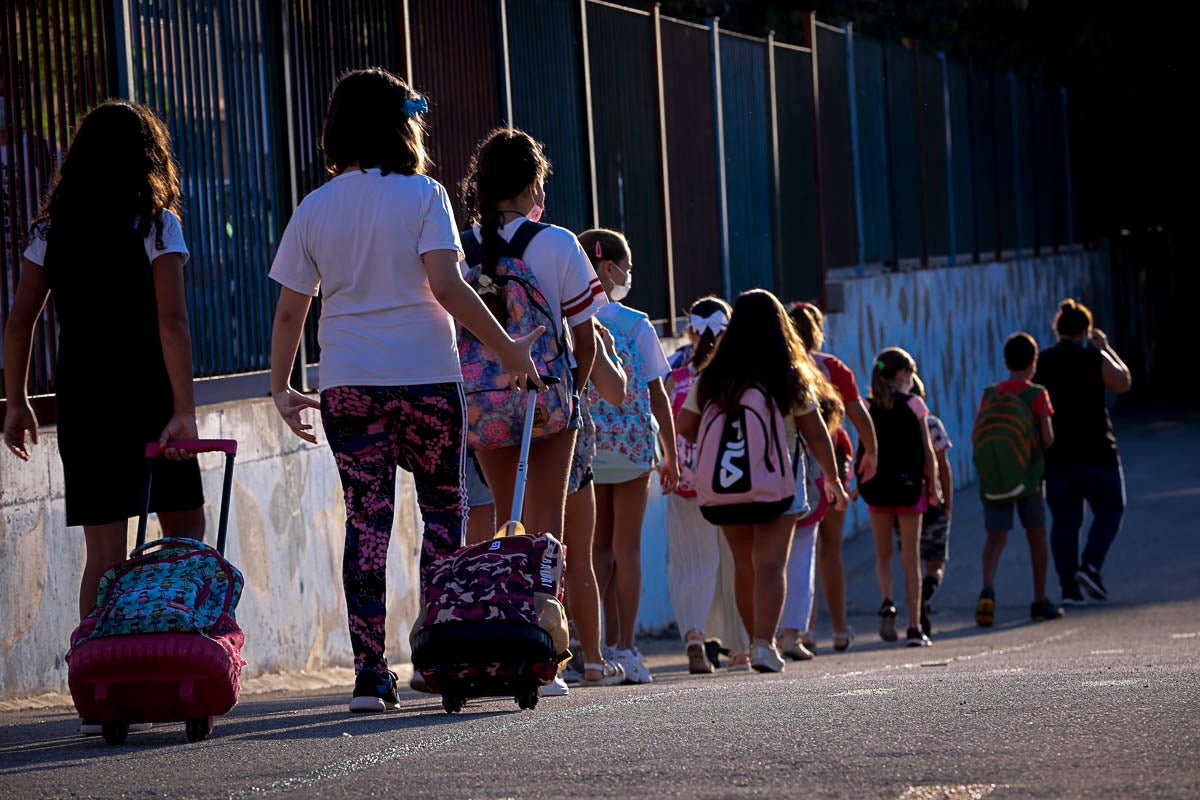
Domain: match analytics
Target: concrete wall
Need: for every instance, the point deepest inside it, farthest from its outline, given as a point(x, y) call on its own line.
point(287, 526)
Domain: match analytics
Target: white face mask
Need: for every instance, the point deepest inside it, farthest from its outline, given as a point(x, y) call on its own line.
point(620, 290)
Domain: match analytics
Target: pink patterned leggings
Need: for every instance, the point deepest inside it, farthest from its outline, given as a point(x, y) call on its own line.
point(372, 430)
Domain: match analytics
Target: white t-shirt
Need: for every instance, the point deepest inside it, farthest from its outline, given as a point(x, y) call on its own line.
point(562, 269)
point(358, 240)
point(172, 240)
point(654, 362)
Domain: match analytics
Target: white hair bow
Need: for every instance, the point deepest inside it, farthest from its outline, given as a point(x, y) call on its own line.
point(714, 322)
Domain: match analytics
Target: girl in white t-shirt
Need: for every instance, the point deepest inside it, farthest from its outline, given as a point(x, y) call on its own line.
point(626, 440)
point(378, 241)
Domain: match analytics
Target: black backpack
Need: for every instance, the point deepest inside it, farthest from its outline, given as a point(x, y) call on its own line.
point(900, 476)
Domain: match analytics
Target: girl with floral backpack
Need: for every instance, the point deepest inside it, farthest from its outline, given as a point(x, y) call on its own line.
point(627, 438)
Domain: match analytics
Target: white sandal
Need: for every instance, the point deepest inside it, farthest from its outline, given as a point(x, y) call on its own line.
point(611, 674)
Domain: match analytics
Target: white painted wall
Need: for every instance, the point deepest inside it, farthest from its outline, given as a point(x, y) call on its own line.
point(287, 525)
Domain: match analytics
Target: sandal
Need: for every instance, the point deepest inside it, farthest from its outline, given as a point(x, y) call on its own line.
point(739, 662)
point(810, 644)
point(713, 649)
point(698, 663)
point(842, 639)
point(611, 674)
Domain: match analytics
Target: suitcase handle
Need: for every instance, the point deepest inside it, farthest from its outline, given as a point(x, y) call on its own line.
point(514, 524)
point(226, 446)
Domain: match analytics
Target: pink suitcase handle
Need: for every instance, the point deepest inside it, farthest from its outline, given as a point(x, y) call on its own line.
point(226, 446)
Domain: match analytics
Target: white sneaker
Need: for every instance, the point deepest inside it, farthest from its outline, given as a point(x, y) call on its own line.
point(635, 668)
point(766, 659)
point(556, 688)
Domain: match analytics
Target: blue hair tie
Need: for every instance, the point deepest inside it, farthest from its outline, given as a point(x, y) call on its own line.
point(414, 107)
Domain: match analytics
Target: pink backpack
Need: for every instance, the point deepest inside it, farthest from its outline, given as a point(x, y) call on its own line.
point(743, 469)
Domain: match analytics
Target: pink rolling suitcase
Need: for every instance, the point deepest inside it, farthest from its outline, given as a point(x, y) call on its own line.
point(161, 644)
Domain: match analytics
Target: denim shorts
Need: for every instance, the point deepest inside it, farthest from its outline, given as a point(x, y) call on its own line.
point(1031, 509)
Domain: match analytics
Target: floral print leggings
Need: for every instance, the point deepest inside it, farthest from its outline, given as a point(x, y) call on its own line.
point(372, 430)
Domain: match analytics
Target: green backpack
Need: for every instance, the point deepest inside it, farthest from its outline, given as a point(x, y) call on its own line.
point(1006, 445)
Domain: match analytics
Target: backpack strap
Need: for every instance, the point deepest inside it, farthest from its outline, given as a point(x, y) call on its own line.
point(473, 248)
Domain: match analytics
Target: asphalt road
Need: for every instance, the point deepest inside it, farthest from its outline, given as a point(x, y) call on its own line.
point(1104, 703)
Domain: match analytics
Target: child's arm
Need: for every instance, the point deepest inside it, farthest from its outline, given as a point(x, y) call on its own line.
point(860, 418)
point(290, 313)
point(607, 377)
point(946, 476)
point(1046, 429)
point(689, 425)
point(583, 337)
point(19, 419)
point(175, 337)
point(816, 438)
point(931, 466)
point(660, 406)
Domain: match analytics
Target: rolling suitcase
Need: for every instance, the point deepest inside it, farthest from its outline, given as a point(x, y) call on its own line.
point(493, 624)
point(161, 643)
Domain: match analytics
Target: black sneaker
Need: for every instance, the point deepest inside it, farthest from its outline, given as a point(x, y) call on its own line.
point(887, 623)
point(373, 692)
point(918, 638)
point(1043, 610)
point(1088, 578)
point(1073, 596)
point(985, 608)
point(926, 627)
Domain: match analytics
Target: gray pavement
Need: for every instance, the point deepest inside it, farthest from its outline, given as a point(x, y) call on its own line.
point(1104, 703)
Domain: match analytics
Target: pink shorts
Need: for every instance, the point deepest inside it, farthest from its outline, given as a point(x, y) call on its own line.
point(921, 506)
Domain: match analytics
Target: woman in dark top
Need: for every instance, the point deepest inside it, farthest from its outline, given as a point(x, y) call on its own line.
point(1082, 466)
point(108, 246)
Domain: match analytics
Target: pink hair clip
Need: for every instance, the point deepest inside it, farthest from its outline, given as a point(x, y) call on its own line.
point(599, 252)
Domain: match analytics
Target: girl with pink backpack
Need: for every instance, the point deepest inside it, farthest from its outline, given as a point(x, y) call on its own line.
point(748, 410)
point(696, 582)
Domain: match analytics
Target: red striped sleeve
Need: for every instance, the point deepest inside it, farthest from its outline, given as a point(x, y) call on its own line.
point(582, 300)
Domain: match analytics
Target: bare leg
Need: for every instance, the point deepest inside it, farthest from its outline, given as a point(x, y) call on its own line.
point(741, 545)
point(770, 546)
point(881, 530)
point(602, 561)
point(830, 569)
point(106, 545)
point(992, 549)
point(629, 510)
point(583, 599)
point(546, 482)
point(1039, 555)
point(481, 523)
point(910, 559)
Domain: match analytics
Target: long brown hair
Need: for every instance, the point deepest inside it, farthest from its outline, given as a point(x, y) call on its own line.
point(759, 348)
point(888, 365)
point(119, 169)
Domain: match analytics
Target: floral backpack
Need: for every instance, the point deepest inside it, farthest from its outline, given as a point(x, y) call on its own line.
point(629, 430)
point(496, 415)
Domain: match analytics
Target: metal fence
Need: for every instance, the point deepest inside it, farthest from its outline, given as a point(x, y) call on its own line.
point(729, 161)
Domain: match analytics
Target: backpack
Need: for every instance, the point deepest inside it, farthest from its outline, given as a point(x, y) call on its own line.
point(1005, 445)
point(511, 579)
point(496, 415)
point(744, 472)
point(683, 378)
point(184, 586)
point(629, 430)
point(900, 475)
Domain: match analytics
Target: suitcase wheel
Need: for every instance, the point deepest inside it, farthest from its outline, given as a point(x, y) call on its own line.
point(453, 703)
point(528, 700)
point(115, 732)
point(198, 728)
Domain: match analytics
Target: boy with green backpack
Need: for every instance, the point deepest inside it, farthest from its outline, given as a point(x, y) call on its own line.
point(1012, 428)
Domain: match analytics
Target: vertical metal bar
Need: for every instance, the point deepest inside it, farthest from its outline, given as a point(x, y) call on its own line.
point(1070, 243)
point(591, 119)
point(810, 36)
point(405, 40)
point(922, 164)
point(855, 157)
point(123, 47)
point(776, 180)
point(226, 493)
point(505, 71)
point(949, 155)
point(714, 27)
point(1016, 155)
point(664, 171)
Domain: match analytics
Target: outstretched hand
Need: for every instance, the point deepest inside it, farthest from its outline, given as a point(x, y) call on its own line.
point(289, 403)
point(518, 364)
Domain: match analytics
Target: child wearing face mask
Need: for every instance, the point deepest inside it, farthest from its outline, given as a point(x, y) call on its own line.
point(628, 438)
